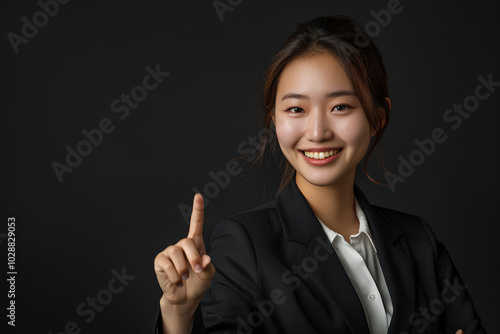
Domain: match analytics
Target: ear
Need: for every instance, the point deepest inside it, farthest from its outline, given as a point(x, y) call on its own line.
point(374, 132)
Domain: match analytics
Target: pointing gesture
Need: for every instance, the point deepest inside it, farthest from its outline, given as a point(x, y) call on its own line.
point(184, 270)
point(196, 222)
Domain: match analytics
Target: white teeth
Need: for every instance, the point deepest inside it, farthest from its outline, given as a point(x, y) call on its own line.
point(321, 155)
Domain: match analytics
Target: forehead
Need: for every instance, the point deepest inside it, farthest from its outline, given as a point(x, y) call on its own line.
point(313, 75)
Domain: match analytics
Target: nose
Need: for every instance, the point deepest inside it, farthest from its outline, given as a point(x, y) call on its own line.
point(318, 128)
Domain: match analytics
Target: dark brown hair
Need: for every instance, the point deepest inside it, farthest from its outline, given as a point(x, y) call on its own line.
point(359, 57)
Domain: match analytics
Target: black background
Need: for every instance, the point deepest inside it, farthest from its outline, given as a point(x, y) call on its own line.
point(119, 207)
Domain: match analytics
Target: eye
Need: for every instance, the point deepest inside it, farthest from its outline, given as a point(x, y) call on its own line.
point(295, 110)
point(340, 107)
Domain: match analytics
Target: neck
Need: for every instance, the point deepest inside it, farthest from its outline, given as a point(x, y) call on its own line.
point(333, 204)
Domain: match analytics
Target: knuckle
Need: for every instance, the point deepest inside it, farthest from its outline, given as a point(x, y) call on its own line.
point(173, 250)
point(169, 247)
point(158, 256)
point(169, 267)
point(186, 242)
point(194, 257)
point(182, 242)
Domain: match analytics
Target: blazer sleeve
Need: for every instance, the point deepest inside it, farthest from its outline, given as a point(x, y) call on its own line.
point(228, 303)
point(458, 312)
point(225, 307)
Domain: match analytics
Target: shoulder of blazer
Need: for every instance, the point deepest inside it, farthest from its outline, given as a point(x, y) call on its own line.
point(262, 221)
point(265, 222)
point(416, 232)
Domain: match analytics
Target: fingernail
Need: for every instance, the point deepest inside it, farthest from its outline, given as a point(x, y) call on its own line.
point(185, 276)
point(179, 285)
point(197, 268)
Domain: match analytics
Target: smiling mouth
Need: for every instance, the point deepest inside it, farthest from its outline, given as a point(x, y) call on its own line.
point(321, 155)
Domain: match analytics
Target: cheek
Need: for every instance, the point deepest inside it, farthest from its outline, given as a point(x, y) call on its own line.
point(288, 134)
point(356, 132)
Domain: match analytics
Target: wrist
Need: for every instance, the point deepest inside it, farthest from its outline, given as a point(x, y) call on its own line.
point(180, 312)
point(176, 319)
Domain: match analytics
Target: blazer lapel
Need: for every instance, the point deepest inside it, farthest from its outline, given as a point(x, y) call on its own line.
point(396, 264)
point(301, 225)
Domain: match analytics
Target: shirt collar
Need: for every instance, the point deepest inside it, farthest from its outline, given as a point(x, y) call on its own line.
point(363, 225)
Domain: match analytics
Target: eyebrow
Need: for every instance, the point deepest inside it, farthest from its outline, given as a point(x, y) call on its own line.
point(329, 95)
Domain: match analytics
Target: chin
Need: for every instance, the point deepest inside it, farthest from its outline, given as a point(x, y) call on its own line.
point(320, 179)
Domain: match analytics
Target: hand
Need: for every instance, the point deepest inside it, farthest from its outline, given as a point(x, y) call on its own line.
point(184, 270)
point(460, 332)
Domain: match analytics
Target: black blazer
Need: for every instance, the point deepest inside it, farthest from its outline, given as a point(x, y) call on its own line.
point(276, 272)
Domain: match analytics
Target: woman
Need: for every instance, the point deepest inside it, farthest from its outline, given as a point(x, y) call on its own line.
point(320, 258)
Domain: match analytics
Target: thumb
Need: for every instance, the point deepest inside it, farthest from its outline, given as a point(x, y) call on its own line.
point(208, 271)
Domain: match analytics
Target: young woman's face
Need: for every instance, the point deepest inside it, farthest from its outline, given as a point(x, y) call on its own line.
point(318, 114)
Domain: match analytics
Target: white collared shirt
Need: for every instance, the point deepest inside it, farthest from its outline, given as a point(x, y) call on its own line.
point(359, 259)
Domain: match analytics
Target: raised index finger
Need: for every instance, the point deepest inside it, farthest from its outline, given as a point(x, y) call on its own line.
point(196, 222)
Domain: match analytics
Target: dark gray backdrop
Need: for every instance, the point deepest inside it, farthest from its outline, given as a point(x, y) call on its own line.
point(120, 205)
